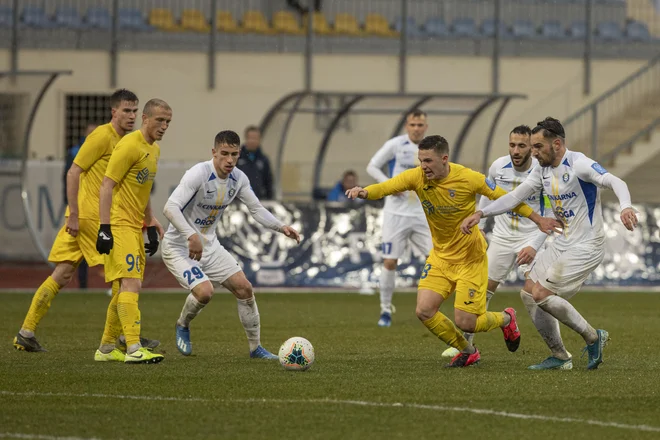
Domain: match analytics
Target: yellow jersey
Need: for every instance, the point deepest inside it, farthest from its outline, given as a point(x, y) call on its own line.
point(447, 203)
point(133, 166)
point(93, 158)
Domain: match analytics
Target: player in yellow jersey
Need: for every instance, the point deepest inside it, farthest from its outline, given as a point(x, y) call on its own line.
point(76, 240)
point(457, 262)
point(124, 207)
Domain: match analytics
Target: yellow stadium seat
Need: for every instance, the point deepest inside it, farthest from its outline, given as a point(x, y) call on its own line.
point(163, 19)
point(284, 22)
point(376, 24)
point(346, 24)
point(320, 24)
point(194, 20)
point(226, 22)
point(254, 21)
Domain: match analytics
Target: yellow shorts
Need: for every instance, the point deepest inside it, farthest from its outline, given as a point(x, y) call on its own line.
point(127, 257)
point(74, 249)
point(469, 280)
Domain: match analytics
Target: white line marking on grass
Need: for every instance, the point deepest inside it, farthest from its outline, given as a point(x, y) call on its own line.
point(40, 437)
point(487, 412)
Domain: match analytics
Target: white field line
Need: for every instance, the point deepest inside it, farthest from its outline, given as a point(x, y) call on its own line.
point(486, 412)
point(41, 437)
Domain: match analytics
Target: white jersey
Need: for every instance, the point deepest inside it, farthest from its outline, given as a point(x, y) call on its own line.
point(510, 226)
point(399, 154)
point(573, 188)
point(201, 197)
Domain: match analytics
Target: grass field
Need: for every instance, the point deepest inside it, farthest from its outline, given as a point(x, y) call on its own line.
point(367, 382)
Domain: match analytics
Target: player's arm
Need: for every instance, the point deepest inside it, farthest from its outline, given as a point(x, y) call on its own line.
point(261, 214)
point(155, 230)
point(591, 171)
point(485, 201)
point(405, 181)
point(191, 182)
point(382, 157)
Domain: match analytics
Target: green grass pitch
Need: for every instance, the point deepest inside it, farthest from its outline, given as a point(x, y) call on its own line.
point(367, 382)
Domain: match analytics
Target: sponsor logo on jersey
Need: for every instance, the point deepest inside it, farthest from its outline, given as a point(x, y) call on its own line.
point(565, 177)
point(211, 207)
point(598, 168)
point(564, 213)
point(208, 221)
point(490, 184)
point(142, 175)
point(428, 207)
point(562, 196)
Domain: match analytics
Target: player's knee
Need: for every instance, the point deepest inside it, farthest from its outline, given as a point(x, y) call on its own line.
point(203, 292)
point(425, 313)
point(539, 293)
point(63, 274)
point(466, 323)
point(389, 264)
point(243, 290)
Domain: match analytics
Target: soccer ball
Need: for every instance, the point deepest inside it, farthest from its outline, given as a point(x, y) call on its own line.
point(296, 354)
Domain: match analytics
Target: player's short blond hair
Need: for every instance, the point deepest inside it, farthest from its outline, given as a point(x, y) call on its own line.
point(154, 103)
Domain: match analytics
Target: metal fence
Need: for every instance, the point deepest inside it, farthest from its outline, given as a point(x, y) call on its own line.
point(495, 28)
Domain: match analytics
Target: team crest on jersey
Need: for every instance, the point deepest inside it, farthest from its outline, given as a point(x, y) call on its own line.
point(232, 192)
point(142, 175)
point(452, 193)
point(428, 207)
point(565, 177)
point(471, 293)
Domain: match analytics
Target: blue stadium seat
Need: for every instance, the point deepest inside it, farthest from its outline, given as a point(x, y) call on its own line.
point(98, 18)
point(132, 19)
point(464, 27)
point(637, 31)
point(523, 29)
point(6, 17)
point(68, 17)
point(412, 29)
point(552, 30)
point(609, 31)
point(436, 27)
point(577, 30)
point(36, 17)
point(488, 28)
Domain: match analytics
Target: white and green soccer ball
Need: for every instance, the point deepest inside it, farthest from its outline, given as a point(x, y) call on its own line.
point(296, 354)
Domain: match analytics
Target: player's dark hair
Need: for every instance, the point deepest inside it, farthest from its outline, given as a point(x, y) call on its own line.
point(155, 103)
point(122, 95)
point(251, 128)
point(551, 128)
point(435, 143)
point(349, 173)
point(416, 113)
point(522, 129)
point(228, 137)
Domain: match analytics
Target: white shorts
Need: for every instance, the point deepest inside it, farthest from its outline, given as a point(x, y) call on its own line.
point(564, 272)
point(400, 231)
point(216, 265)
point(502, 258)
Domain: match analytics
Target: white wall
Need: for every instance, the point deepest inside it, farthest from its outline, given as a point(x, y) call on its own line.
point(248, 84)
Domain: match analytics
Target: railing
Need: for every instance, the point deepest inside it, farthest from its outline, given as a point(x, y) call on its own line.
point(587, 126)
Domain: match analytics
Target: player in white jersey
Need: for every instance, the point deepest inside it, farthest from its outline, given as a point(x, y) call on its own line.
point(515, 239)
point(404, 222)
point(191, 250)
point(573, 183)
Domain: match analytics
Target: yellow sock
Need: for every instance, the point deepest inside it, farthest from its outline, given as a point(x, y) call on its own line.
point(489, 321)
point(112, 328)
point(129, 315)
point(443, 328)
point(40, 303)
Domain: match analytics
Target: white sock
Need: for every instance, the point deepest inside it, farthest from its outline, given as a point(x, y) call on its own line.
point(106, 348)
point(248, 313)
point(547, 326)
point(133, 348)
point(387, 280)
point(191, 308)
point(569, 316)
point(489, 296)
point(26, 333)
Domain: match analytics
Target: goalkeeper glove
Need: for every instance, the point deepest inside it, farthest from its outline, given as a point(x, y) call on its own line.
point(104, 240)
point(152, 246)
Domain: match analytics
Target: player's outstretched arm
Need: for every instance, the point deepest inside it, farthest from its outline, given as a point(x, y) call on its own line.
point(405, 181)
point(72, 188)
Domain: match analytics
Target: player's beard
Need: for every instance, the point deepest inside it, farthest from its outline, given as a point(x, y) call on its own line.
point(524, 160)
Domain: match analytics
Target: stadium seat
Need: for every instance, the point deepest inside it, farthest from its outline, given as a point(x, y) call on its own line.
point(412, 30)
point(285, 22)
point(552, 30)
point(132, 19)
point(320, 24)
point(6, 17)
point(163, 19)
point(254, 21)
point(68, 17)
point(194, 20)
point(464, 27)
point(609, 31)
point(577, 30)
point(98, 18)
point(523, 29)
point(36, 17)
point(376, 24)
point(346, 24)
point(226, 23)
point(436, 27)
point(637, 31)
point(488, 29)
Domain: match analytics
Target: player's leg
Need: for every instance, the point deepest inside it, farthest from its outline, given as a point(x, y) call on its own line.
point(248, 313)
point(108, 351)
point(562, 281)
point(395, 233)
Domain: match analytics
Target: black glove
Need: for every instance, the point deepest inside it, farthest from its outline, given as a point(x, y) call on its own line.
point(152, 235)
point(104, 240)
